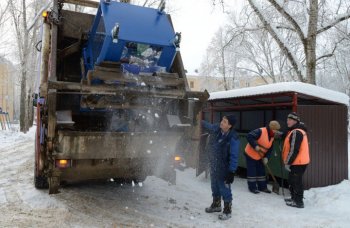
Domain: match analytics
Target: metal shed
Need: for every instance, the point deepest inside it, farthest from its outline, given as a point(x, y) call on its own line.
point(324, 112)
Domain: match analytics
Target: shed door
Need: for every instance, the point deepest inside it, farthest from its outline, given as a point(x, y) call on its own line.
point(327, 133)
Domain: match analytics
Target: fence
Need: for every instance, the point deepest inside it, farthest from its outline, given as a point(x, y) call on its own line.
point(5, 121)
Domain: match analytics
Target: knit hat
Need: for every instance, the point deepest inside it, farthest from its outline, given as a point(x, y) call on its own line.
point(294, 116)
point(231, 119)
point(274, 125)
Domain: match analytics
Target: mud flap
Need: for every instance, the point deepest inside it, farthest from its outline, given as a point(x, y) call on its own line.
point(169, 176)
point(54, 183)
point(40, 180)
point(165, 169)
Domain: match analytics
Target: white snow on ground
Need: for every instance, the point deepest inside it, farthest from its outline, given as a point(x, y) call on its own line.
point(152, 204)
point(11, 137)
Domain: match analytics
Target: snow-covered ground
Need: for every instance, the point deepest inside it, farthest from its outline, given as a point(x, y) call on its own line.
point(152, 204)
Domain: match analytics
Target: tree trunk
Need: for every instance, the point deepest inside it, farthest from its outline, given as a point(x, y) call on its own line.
point(224, 68)
point(310, 52)
point(30, 109)
point(22, 116)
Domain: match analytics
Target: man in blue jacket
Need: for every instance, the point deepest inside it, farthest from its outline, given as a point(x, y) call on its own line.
point(223, 157)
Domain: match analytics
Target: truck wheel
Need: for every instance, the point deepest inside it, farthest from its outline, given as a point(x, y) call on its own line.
point(40, 182)
point(140, 179)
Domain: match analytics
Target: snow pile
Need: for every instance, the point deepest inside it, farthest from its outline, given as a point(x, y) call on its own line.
point(13, 136)
point(330, 198)
point(298, 87)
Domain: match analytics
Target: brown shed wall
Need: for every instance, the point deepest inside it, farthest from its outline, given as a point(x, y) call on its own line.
point(327, 133)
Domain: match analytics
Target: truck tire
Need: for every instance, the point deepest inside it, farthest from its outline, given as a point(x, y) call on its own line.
point(40, 182)
point(140, 179)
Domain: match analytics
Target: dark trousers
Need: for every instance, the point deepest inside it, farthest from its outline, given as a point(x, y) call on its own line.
point(256, 175)
point(295, 180)
point(219, 188)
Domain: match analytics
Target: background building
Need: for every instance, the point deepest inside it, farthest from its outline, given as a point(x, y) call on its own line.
point(7, 87)
point(213, 84)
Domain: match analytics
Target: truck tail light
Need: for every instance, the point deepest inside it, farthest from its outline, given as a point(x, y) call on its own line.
point(63, 163)
point(177, 158)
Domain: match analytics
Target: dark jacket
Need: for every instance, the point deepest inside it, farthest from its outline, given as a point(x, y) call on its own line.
point(297, 138)
point(223, 150)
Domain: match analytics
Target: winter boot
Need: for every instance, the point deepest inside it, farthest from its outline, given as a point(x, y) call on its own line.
point(226, 214)
point(288, 200)
point(292, 198)
point(266, 190)
point(215, 206)
point(255, 191)
point(292, 195)
point(295, 204)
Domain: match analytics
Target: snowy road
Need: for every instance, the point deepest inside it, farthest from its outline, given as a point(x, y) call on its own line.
point(152, 204)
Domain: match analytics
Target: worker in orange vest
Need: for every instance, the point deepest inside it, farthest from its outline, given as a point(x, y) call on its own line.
point(296, 157)
point(257, 153)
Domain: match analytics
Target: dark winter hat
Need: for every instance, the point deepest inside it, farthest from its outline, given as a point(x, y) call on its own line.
point(231, 119)
point(294, 116)
point(274, 125)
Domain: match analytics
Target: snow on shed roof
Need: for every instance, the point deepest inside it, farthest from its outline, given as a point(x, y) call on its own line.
point(298, 87)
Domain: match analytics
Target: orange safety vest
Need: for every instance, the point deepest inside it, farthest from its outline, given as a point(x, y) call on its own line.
point(263, 143)
point(303, 156)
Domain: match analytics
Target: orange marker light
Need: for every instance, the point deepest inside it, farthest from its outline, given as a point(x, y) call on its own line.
point(177, 158)
point(44, 14)
point(63, 163)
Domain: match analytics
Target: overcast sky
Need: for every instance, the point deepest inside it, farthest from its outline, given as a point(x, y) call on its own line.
point(198, 20)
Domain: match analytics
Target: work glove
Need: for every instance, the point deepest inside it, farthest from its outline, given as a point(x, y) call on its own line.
point(229, 178)
point(265, 160)
point(287, 167)
point(278, 134)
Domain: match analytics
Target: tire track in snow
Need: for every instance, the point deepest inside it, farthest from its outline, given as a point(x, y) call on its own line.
point(15, 162)
point(16, 172)
point(107, 211)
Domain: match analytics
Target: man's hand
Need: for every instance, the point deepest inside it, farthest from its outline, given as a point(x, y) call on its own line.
point(265, 160)
point(287, 167)
point(230, 178)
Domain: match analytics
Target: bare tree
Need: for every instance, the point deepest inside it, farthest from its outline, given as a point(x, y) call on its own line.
point(3, 13)
point(147, 3)
point(3, 19)
point(244, 46)
point(305, 24)
point(260, 53)
point(21, 11)
point(220, 60)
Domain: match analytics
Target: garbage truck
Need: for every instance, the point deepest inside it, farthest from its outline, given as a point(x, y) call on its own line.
point(113, 100)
